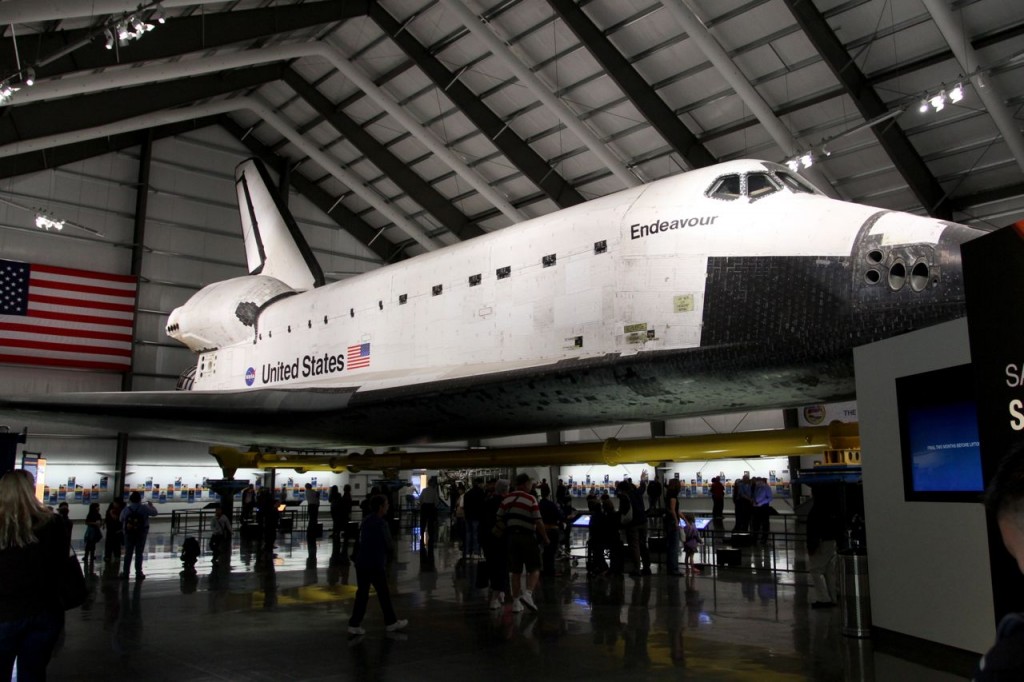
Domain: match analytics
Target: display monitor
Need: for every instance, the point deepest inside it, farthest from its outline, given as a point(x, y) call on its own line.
point(939, 441)
point(700, 524)
point(582, 520)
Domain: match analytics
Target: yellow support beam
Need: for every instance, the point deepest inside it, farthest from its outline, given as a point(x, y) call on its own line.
point(813, 440)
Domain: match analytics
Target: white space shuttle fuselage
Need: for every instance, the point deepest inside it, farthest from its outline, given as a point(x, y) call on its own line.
point(729, 288)
point(619, 275)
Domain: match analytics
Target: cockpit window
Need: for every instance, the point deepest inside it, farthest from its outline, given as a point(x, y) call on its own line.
point(726, 187)
point(794, 183)
point(760, 185)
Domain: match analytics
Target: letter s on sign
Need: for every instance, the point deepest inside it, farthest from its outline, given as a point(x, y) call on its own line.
point(1012, 378)
point(1016, 416)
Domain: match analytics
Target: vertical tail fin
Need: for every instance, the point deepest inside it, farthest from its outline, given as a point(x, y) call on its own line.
point(273, 244)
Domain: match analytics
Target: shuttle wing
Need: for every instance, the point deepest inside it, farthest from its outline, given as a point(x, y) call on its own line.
point(214, 416)
point(570, 394)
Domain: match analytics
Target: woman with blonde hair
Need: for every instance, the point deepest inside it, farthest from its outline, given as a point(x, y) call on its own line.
point(33, 551)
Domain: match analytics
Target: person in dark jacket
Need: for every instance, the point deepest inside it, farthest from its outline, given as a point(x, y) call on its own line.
point(473, 508)
point(115, 537)
point(33, 551)
point(495, 545)
point(375, 550)
point(553, 520)
point(267, 517)
point(605, 537)
point(1005, 501)
point(135, 523)
point(824, 526)
point(631, 507)
point(93, 532)
point(345, 519)
point(337, 515)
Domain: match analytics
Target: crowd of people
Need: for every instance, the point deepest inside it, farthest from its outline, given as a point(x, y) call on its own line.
point(619, 528)
point(516, 530)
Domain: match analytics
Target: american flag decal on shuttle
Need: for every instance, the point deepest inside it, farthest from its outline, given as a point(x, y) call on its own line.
point(359, 356)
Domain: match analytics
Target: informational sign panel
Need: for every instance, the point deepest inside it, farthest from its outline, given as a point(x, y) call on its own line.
point(993, 268)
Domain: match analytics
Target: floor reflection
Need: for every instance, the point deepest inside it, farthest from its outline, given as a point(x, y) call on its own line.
point(285, 604)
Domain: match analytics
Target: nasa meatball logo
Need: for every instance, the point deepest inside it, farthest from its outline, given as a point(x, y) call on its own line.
point(814, 414)
point(250, 376)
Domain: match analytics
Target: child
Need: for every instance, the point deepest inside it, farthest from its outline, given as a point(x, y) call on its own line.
point(691, 538)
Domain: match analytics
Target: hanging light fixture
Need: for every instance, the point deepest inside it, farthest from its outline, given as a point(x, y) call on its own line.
point(957, 93)
point(7, 91)
point(45, 222)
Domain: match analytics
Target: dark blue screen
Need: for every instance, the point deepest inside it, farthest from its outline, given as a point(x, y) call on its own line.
point(944, 448)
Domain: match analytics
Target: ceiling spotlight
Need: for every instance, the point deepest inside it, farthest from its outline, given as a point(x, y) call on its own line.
point(924, 106)
point(159, 15)
point(938, 102)
point(30, 76)
point(44, 222)
point(794, 165)
point(110, 39)
point(807, 160)
point(7, 92)
point(957, 93)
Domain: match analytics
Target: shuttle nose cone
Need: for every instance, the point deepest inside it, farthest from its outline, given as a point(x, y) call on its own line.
point(907, 272)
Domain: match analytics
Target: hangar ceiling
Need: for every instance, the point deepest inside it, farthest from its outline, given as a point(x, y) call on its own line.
point(410, 125)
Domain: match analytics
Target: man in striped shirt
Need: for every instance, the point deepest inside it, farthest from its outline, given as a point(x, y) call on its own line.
point(521, 516)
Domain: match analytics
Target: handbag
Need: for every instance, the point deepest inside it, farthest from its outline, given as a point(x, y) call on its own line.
point(73, 590)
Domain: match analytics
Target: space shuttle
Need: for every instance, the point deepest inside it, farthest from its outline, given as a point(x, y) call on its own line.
point(733, 287)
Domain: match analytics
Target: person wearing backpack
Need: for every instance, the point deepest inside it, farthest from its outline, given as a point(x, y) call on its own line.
point(135, 522)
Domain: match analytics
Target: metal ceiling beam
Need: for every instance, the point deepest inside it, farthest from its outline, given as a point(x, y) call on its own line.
point(419, 190)
point(33, 162)
point(639, 91)
point(988, 196)
point(894, 141)
point(165, 71)
point(29, 11)
point(698, 32)
point(257, 108)
point(873, 79)
point(522, 156)
point(40, 119)
point(345, 218)
point(953, 31)
point(178, 36)
point(540, 90)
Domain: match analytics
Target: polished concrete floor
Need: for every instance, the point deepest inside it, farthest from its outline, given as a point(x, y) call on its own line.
point(283, 617)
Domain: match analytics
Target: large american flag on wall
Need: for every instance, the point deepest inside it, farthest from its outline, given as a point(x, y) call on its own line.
point(63, 317)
